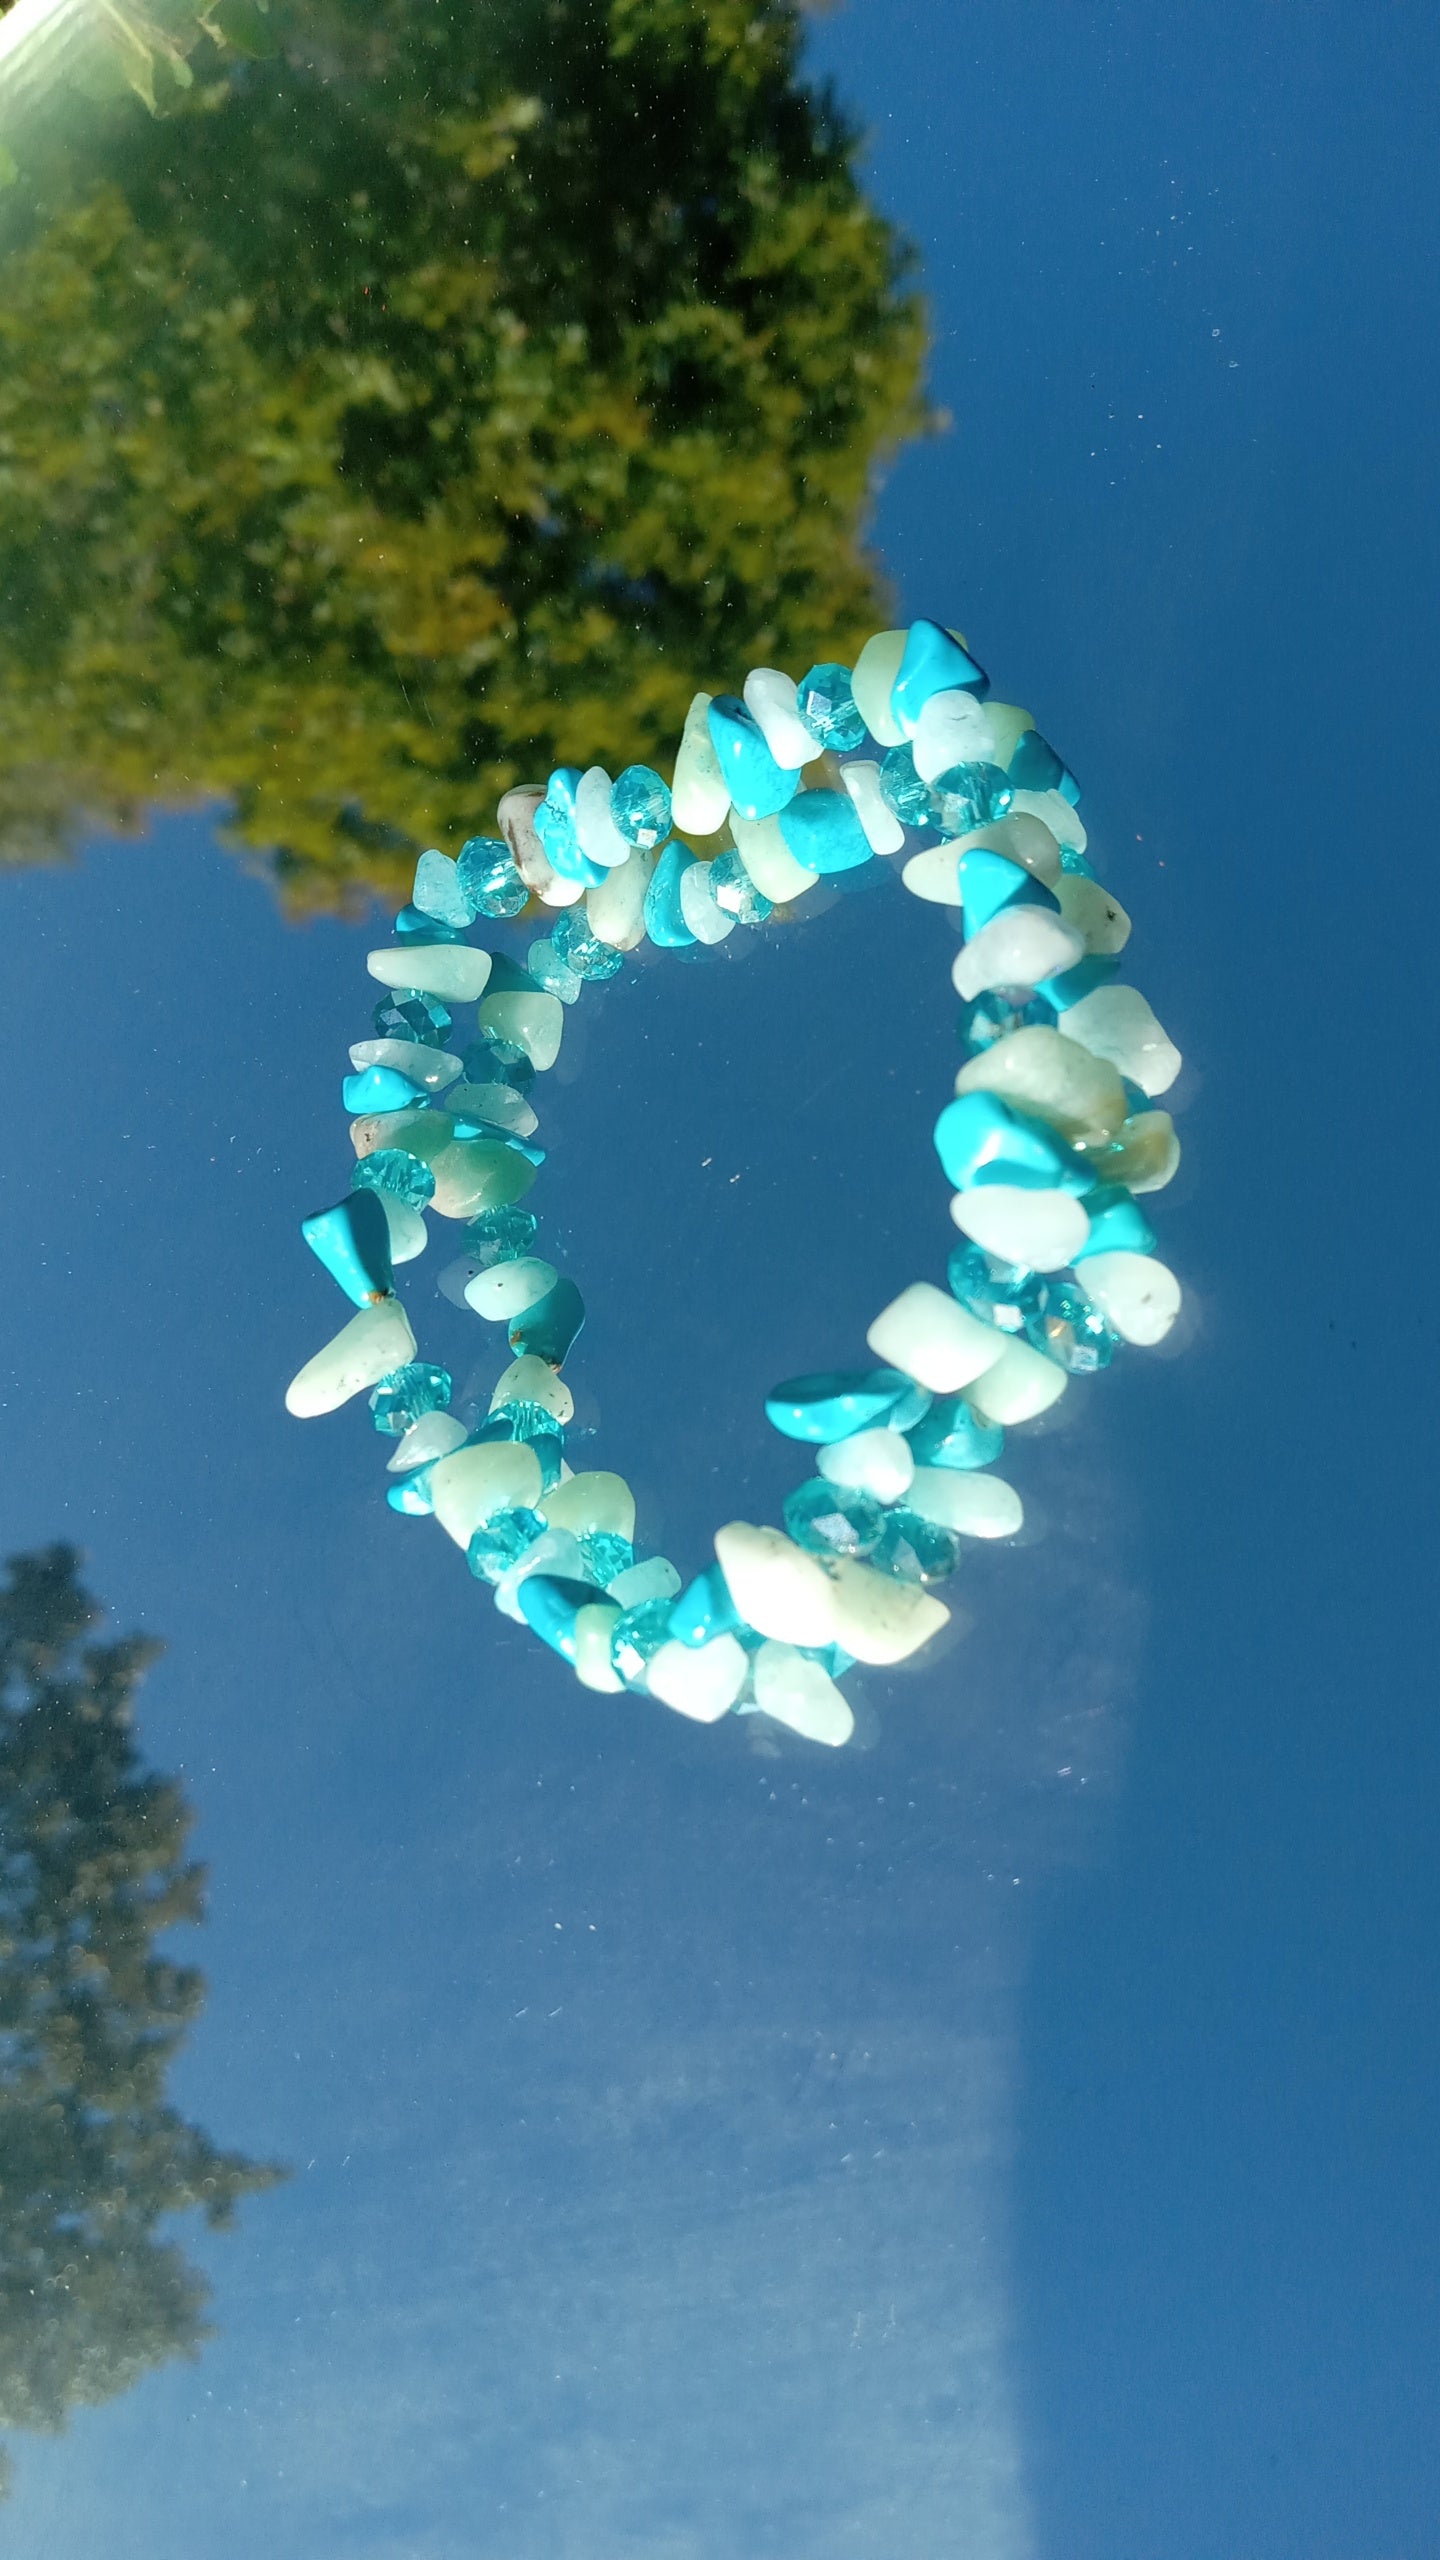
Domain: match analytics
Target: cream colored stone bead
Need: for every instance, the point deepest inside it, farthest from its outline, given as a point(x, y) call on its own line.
point(1022, 1384)
point(801, 1694)
point(375, 1341)
point(597, 1502)
point(932, 1338)
point(776, 1587)
point(877, 1618)
point(476, 1482)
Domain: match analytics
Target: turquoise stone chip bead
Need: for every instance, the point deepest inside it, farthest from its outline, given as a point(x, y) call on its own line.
point(381, 1089)
point(995, 1292)
point(640, 806)
point(606, 1554)
point(992, 1016)
point(467, 1128)
point(704, 1609)
point(1095, 970)
point(550, 1603)
point(836, 1403)
point(735, 892)
point(549, 1448)
point(822, 829)
point(507, 978)
point(353, 1242)
point(555, 827)
point(637, 1637)
point(971, 795)
point(581, 950)
point(501, 1235)
point(953, 1435)
point(552, 971)
point(1070, 1329)
point(915, 1550)
point(934, 662)
point(913, 801)
point(408, 1394)
point(411, 1494)
point(549, 1327)
point(758, 786)
point(833, 1519)
point(1069, 788)
point(438, 892)
point(391, 1169)
point(405, 1014)
point(979, 1138)
point(826, 703)
point(1117, 1222)
point(664, 920)
point(989, 883)
point(413, 925)
point(1034, 765)
point(489, 881)
point(501, 1541)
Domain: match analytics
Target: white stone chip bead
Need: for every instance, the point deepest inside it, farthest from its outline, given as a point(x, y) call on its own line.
point(702, 1680)
point(433, 1436)
point(597, 1502)
point(699, 794)
point(555, 1552)
point(802, 1695)
point(375, 1341)
point(500, 1104)
point(486, 1477)
point(599, 837)
point(516, 815)
point(934, 875)
point(534, 1022)
point(776, 1587)
point(952, 729)
point(1009, 724)
point(931, 1337)
point(772, 699)
point(768, 859)
point(1148, 1152)
point(654, 1578)
point(595, 1624)
point(1019, 1386)
point(1019, 947)
point(1053, 1078)
point(615, 907)
point(872, 682)
point(531, 1380)
point(433, 1068)
point(877, 1618)
point(973, 1504)
point(409, 1234)
point(1041, 1229)
point(451, 970)
point(1093, 912)
point(1136, 1294)
point(707, 921)
point(883, 831)
point(505, 1289)
point(1117, 1023)
point(1056, 813)
point(1021, 839)
point(878, 1462)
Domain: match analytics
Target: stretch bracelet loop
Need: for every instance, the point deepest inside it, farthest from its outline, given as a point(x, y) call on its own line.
point(1049, 1143)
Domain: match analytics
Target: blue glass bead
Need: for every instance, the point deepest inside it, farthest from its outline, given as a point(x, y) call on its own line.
point(551, 1603)
point(704, 1609)
point(501, 1541)
point(1071, 859)
point(381, 1089)
point(489, 880)
point(915, 1550)
point(1070, 1329)
point(637, 1637)
point(913, 801)
point(826, 704)
point(403, 1176)
point(501, 1235)
point(1117, 1222)
point(664, 918)
point(605, 1555)
point(555, 827)
point(735, 892)
point(549, 1327)
point(640, 806)
point(551, 972)
point(971, 795)
point(979, 1138)
point(822, 829)
point(833, 1519)
point(1000, 1293)
point(758, 786)
point(353, 1242)
point(835, 1403)
point(1095, 970)
point(411, 1493)
point(831, 1658)
point(507, 978)
point(934, 662)
point(406, 1014)
point(438, 893)
point(408, 1394)
point(491, 1061)
point(988, 1018)
point(581, 950)
point(953, 1435)
point(413, 925)
point(990, 882)
point(549, 1448)
point(1034, 765)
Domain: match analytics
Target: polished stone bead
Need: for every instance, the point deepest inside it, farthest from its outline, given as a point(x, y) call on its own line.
point(1069, 1328)
point(380, 1089)
point(1024, 838)
point(1043, 1229)
point(935, 1341)
point(595, 1500)
point(531, 1022)
point(640, 807)
point(883, 830)
point(768, 861)
point(873, 682)
point(776, 1587)
point(412, 924)
point(979, 1138)
point(1034, 765)
point(912, 800)
point(994, 1015)
point(1099, 917)
point(556, 831)
point(1117, 1024)
point(878, 1618)
point(554, 1552)
point(594, 1633)
point(364, 1351)
point(833, 1403)
point(798, 1691)
point(637, 1637)
point(407, 1394)
point(438, 891)
point(1041, 1072)
point(477, 1481)
point(953, 1435)
point(551, 971)
point(450, 970)
point(548, 1329)
point(1001, 1293)
point(878, 1462)
point(501, 1235)
point(1025, 945)
point(972, 1506)
point(773, 699)
point(700, 794)
point(480, 1173)
point(550, 1604)
point(1116, 1224)
point(406, 1014)
point(411, 1496)
point(934, 661)
point(600, 839)
point(822, 830)
point(505, 1289)
point(492, 1107)
point(392, 1169)
point(1071, 986)
point(915, 1549)
point(1144, 1155)
point(352, 1240)
point(489, 877)
point(1022, 1384)
point(426, 1069)
point(615, 911)
point(517, 813)
point(735, 892)
point(1135, 1293)
point(533, 1381)
point(653, 1578)
point(501, 1541)
point(990, 883)
point(606, 1554)
point(699, 1681)
point(433, 1436)
point(580, 949)
point(952, 729)
point(699, 907)
point(704, 1609)
point(409, 1234)
point(971, 795)
point(825, 700)
point(664, 916)
point(757, 785)
point(833, 1519)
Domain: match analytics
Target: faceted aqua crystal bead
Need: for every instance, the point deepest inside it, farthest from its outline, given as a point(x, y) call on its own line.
point(1069, 1328)
point(524, 1419)
point(989, 883)
point(501, 1541)
point(552, 972)
point(492, 1061)
point(413, 925)
point(408, 1394)
point(406, 1014)
point(391, 1169)
point(549, 1327)
point(352, 1240)
point(704, 1609)
point(1095, 970)
point(758, 786)
point(953, 1435)
point(915, 1550)
point(971, 795)
point(640, 806)
point(664, 918)
point(934, 662)
point(1117, 1222)
point(488, 877)
point(606, 1554)
point(999, 1293)
point(380, 1089)
point(502, 1235)
point(979, 1138)
point(913, 801)
point(550, 1603)
point(1034, 765)
point(826, 703)
point(833, 1519)
point(636, 1639)
point(992, 1016)
point(438, 891)
point(834, 1403)
point(822, 829)
point(581, 950)
point(735, 892)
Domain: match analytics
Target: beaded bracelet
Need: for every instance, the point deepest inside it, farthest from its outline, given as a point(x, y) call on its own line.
point(1049, 1139)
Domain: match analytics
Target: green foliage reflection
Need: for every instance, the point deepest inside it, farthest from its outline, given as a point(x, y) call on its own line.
point(398, 413)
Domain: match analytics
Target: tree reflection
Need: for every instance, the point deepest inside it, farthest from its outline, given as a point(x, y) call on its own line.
point(454, 389)
point(92, 1871)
